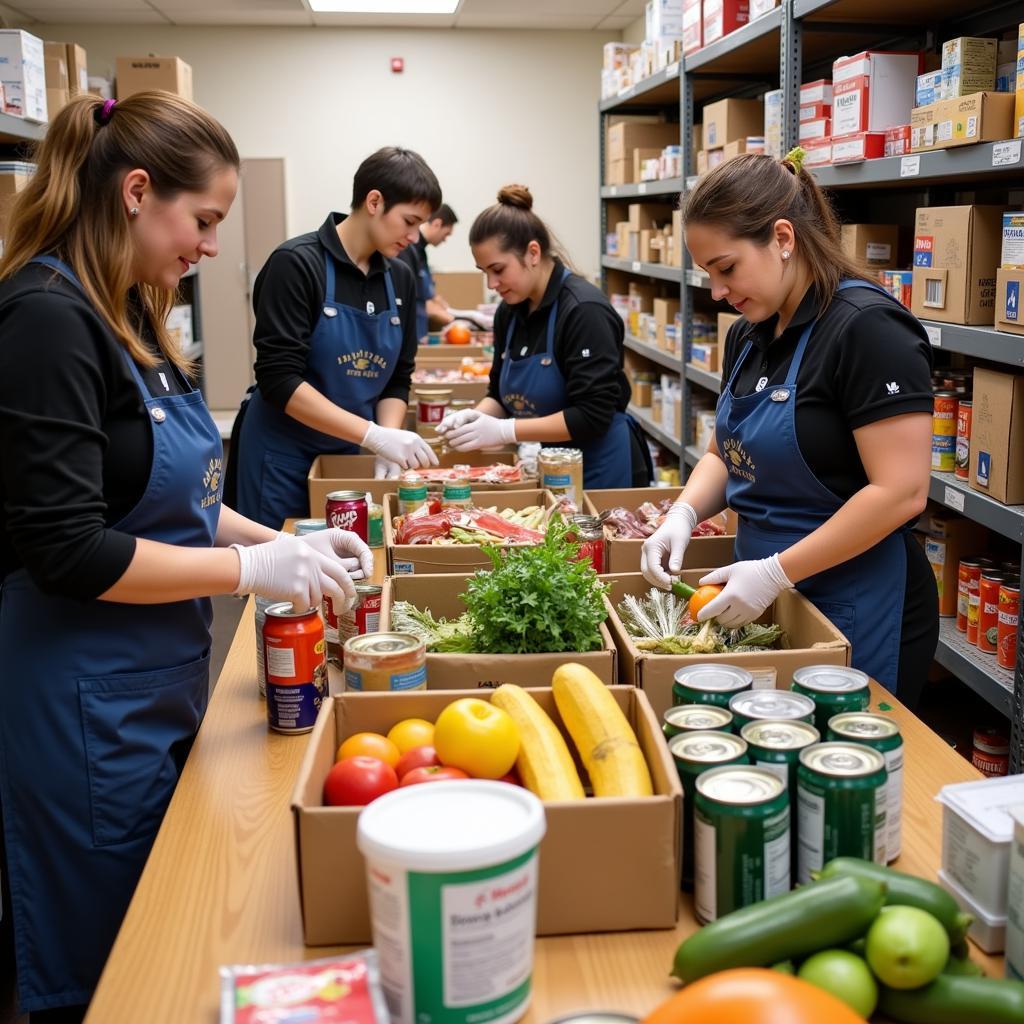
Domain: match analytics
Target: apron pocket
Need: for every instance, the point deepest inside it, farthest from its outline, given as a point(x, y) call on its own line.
point(138, 729)
point(843, 615)
point(283, 488)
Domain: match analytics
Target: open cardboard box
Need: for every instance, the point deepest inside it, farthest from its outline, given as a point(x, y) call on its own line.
point(431, 353)
point(605, 865)
point(623, 554)
point(441, 594)
point(810, 639)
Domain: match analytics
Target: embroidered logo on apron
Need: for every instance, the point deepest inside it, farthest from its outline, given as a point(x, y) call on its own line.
point(211, 481)
point(362, 363)
point(738, 461)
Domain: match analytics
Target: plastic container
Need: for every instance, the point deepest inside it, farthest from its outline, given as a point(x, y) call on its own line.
point(987, 930)
point(1015, 903)
point(452, 876)
point(976, 835)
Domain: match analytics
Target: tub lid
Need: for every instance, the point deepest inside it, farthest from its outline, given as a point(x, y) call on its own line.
point(451, 826)
point(985, 805)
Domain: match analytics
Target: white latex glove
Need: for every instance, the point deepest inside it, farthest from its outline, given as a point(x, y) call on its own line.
point(454, 420)
point(355, 557)
point(750, 587)
point(664, 549)
point(407, 449)
point(289, 569)
point(482, 431)
point(385, 469)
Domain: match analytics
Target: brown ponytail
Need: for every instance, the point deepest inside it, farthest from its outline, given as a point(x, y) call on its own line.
point(513, 223)
point(746, 195)
point(72, 205)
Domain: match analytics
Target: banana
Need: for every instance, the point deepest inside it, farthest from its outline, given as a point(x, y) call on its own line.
point(603, 736)
point(544, 762)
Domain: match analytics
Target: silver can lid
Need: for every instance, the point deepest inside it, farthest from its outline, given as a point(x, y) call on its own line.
point(286, 610)
point(699, 717)
point(740, 785)
point(714, 678)
point(347, 496)
point(831, 678)
point(771, 704)
point(707, 747)
point(842, 759)
point(780, 734)
point(862, 725)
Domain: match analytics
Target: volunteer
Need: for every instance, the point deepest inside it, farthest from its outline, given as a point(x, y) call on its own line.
point(557, 374)
point(430, 307)
point(336, 342)
point(822, 440)
point(113, 531)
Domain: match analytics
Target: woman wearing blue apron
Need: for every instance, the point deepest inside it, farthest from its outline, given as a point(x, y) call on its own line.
point(557, 375)
point(336, 343)
point(822, 439)
point(429, 305)
point(114, 533)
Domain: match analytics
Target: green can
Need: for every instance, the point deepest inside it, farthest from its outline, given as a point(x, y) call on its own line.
point(374, 523)
point(457, 492)
point(770, 705)
point(741, 840)
point(696, 718)
point(709, 684)
point(881, 734)
point(834, 689)
point(411, 495)
point(694, 753)
point(304, 527)
point(841, 798)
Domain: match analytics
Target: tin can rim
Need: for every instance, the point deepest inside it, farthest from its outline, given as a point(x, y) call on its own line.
point(740, 676)
point(888, 729)
point(871, 760)
point(346, 495)
point(773, 783)
point(716, 710)
point(365, 643)
point(783, 696)
point(794, 725)
point(725, 738)
point(286, 610)
point(807, 675)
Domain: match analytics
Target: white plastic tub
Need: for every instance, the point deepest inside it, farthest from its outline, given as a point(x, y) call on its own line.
point(987, 930)
point(1015, 904)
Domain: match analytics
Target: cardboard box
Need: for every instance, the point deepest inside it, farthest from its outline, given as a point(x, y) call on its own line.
point(819, 91)
point(725, 321)
point(57, 91)
point(78, 71)
point(968, 65)
point(854, 148)
point(705, 356)
point(982, 117)
point(1011, 252)
point(872, 91)
point(648, 215)
point(640, 154)
point(810, 639)
point(759, 7)
point(928, 88)
point(873, 246)
point(605, 865)
point(1009, 286)
point(693, 26)
point(618, 172)
point(23, 74)
point(751, 144)
point(702, 162)
point(997, 435)
point(626, 136)
point(721, 17)
point(814, 111)
point(947, 539)
point(819, 128)
point(646, 252)
point(897, 141)
point(956, 252)
point(13, 178)
point(818, 153)
point(728, 120)
point(141, 74)
point(773, 117)
point(665, 312)
point(462, 289)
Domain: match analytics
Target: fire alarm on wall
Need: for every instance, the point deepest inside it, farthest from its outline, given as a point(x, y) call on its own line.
point(397, 65)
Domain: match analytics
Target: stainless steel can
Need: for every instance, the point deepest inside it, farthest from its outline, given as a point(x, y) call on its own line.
point(709, 683)
point(696, 718)
point(760, 705)
point(834, 689)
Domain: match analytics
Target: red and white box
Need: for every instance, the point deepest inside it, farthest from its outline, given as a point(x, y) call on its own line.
point(851, 149)
point(813, 111)
point(819, 129)
point(816, 92)
point(897, 140)
point(693, 26)
point(724, 16)
point(817, 153)
point(873, 91)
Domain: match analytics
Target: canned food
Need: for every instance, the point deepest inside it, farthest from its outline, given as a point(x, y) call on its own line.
point(347, 510)
point(261, 605)
point(943, 452)
point(968, 570)
point(589, 533)
point(457, 493)
point(385, 661)
point(1009, 617)
point(990, 753)
point(696, 718)
point(303, 527)
point(561, 472)
point(363, 617)
point(709, 684)
point(694, 753)
point(412, 493)
point(596, 1017)
point(881, 734)
point(296, 671)
point(431, 407)
point(962, 457)
point(755, 705)
point(741, 840)
point(833, 688)
point(988, 609)
point(841, 800)
point(944, 404)
point(375, 524)
point(975, 567)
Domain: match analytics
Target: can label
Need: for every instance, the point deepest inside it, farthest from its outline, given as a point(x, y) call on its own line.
point(349, 514)
point(414, 680)
point(839, 823)
point(943, 453)
point(360, 619)
point(988, 616)
point(592, 551)
point(296, 671)
point(893, 803)
point(1006, 627)
point(375, 527)
point(962, 464)
point(261, 606)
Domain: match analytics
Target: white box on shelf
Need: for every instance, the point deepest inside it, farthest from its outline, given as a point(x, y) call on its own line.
point(23, 74)
point(872, 91)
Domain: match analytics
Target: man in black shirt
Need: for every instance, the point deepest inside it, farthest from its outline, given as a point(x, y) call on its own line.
point(429, 305)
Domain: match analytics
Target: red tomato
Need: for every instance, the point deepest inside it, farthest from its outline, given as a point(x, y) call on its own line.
point(356, 781)
point(418, 757)
point(432, 773)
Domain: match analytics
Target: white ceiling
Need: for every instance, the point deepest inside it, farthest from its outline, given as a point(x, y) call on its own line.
point(583, 15)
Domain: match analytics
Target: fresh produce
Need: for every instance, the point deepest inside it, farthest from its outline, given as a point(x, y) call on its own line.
point(544, 763)
point(845, 975)
point(478, 737)
point(818, 916)
point(956, 1000)
point(906, 947)
point(696, 598)
point(498, 473)
point(369, 744)
point(432, 773)
point(411, 732)
point(601, 732)
point(457, 333)
point(963, 965)
point(640, 524)
point(752, 996)
point(906, 890)
point(418, 757)
point(356, 781)
point(440, 635)
point(432, 523)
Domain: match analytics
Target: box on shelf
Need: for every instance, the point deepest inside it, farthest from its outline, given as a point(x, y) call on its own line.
point(663, 18)
point(751, 144)
point(57, 86)
point(982, 117)
point(14, 176)
point(897, 140)
point(1009, 286)
point(947, 539)
point(648, 215)
point(968, 66)
point(641, 836)
point(618, 172)
point(872, 91)
point(665, 312)
point(23, 74)
point(873, 246)
point(819, 128)
point(818, 153)
point(1011, 254)
point(625, 136)
point(693, 26)
point(819, 91)
point(704, 355)
point(759, 7)
point(861, 146)
point(640, 154)
point(997, 435)
point(75, 60)
point(728, 120)
point(720, 17)
point(1006, 77)
point(956, 252)
point(140, 74)
point(773, 117)
point(814, 111)
point(725, 321)
point(928, 88)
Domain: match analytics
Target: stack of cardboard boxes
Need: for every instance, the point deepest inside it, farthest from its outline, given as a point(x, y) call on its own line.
point(141, 74)
point(815, 114)
point(627, 65)
point(652, 233)
point(631, 140)
point(729, 128)
point(67, 74)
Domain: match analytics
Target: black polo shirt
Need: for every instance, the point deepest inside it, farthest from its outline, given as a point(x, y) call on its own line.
point(415, 258)
point(288, 299)
point(588, 351)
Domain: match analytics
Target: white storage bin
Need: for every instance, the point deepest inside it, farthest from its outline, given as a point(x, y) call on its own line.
point(987, 930)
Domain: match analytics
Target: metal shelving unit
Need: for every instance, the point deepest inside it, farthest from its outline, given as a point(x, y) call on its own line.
point(656, 355)
point(643, 417)
point(659, 89)
point(1007, 520)
point(692, 455)
point(979, 342)
point(15, 130)
point(711, 381)
point(643, 189)
point(658, 270)
point(976, 670)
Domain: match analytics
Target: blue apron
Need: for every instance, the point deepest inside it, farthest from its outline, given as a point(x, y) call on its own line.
point(99, 705)
point(779, 501)
point(533, 386)
point(352, 355)
point(425, 289)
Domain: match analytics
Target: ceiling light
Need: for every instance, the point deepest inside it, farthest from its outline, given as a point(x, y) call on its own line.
point(384, 6)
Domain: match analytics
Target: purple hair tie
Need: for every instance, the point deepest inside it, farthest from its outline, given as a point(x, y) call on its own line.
point(108, 109)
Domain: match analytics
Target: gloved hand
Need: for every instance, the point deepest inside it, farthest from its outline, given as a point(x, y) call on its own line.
point(664, 549)
point(457, 419)
point(289, 569)
point(385, 469)
point(482, 431)
point(355, 557)
point(404, 447)
point(750, 587)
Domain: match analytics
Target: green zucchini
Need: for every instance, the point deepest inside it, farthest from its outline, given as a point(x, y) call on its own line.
point(906, 891)
point(795, 924)
point(955, 999)
point(963, 966)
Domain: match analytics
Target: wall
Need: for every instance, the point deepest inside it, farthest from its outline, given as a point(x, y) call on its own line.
point(483, 108)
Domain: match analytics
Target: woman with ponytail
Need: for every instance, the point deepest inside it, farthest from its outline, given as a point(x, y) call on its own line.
point(113, 535)
point(822, 440)
point(557, 374)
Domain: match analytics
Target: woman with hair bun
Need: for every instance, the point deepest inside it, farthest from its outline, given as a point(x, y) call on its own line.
point(822, 440)
point(557, 374)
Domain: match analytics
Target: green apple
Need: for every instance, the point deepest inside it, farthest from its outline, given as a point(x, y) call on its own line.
point(844, 975)
point(906, 947)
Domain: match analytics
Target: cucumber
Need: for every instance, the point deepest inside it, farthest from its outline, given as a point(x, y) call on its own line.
point(963, 967)
point(795, 924)
point(953, 999)
point(906, 891)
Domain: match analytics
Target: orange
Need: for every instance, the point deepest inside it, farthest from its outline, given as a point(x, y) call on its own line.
point(412, 732)
point(457, 334)
point(369, 744)
point(702, 596)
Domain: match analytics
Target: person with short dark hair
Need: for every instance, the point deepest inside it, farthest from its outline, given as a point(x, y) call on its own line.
point(336, 342)
point(431, 308)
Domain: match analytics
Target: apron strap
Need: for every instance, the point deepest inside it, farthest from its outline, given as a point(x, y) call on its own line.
point(328, 278)
point(738, 364)
point(389, 285)
point(553, 316)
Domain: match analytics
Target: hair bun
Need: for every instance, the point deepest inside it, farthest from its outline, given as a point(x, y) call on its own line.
point(516, 195)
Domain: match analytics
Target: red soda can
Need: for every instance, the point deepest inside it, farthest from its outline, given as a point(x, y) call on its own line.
point(1009, 617)
point(296, 672)
point(364, 616)
point(348, 510)
point(589, 534)
point(988, 610)
point(974, 598)
point(968, 577)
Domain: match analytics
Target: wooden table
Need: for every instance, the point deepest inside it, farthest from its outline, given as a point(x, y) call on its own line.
point(221, 887)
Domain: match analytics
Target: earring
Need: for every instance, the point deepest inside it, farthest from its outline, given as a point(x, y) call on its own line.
point(134, 211)
point(785, 254)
